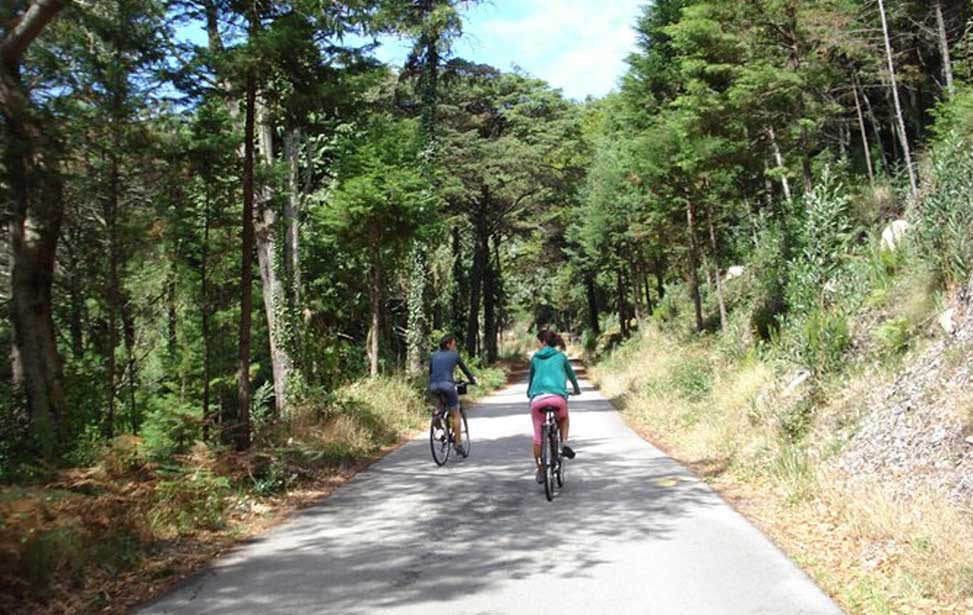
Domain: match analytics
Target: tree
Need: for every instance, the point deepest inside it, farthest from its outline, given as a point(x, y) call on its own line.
point(36, 191)
point(379, 201)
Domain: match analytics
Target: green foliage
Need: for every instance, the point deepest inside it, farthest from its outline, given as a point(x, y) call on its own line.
point(191, 500)
point(693, 379)
point(817, 339)
point(770, 275)
point(894, 334)
point(825, 238)
point(123, 456)
point(46, 555)
point(171, 427)
point(945, 213)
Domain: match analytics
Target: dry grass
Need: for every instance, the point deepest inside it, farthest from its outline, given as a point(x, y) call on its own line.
point(873, 553)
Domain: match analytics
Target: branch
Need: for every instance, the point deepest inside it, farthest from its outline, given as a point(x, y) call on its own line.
point(40, 13)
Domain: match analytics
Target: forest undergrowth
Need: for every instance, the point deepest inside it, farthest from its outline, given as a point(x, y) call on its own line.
point(150, 510)
point(780, 442)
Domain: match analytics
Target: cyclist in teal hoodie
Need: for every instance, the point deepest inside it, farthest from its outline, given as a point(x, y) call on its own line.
point(550, 370)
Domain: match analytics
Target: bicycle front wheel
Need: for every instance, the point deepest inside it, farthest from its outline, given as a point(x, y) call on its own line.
point(439, 439)
point(547, 463)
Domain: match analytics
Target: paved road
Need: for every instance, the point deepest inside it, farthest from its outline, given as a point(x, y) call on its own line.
point(632, 532)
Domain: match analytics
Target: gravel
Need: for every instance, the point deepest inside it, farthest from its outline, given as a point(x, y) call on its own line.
point(916, 432)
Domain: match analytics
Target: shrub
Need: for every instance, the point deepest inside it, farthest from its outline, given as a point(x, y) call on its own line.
point(171, 427)
point(825, 239)
point(769, 267)
point(693, 379)
point(945, 215)
point(47, 554)
point(894, 335)
point(123, 456)
point(818, 340)
point(190, 501)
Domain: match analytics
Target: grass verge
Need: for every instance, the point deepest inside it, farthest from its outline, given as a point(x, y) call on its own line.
point(771, 445)
point(103, 538)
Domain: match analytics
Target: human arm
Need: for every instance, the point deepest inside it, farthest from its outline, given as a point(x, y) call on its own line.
point(466, 371)
point(570, 374)
point(530, 378)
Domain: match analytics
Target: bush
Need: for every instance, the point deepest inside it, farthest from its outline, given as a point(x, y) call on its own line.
point(945, 215)
point(123, 456)
point(47, 554)
point(817, 340)
point(693, 379)
point(769, 267)
point(171, 427)
point(187, 502)
point(894, 335)
point(825, 240)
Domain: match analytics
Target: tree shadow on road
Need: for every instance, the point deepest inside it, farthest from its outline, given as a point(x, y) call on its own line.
point(468, 526)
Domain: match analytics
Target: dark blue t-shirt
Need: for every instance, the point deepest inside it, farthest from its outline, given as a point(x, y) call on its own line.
point(441, 366)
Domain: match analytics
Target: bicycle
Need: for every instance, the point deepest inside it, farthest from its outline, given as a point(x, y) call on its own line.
point(442, 440)
point(552, 459)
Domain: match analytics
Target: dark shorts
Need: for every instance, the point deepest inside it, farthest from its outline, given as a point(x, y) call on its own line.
point(446, 390)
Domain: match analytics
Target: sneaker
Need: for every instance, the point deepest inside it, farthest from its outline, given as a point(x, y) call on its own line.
point(567, 451)
point(539, 477)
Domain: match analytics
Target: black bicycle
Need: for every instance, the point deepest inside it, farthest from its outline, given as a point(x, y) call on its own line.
point(442, 439)
point(552, 459)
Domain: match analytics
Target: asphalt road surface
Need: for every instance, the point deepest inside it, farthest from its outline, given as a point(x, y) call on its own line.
point(631, 532)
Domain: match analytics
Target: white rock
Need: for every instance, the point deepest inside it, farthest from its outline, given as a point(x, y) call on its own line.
point(893, 233)
point(947, 322)
point(969, 440)
point(800, 379)
point(735, 271)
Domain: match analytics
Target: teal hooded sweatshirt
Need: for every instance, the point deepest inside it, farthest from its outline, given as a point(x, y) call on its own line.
point(549, 372)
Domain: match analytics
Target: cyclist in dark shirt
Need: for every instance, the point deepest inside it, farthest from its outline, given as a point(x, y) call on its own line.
point(442, 364)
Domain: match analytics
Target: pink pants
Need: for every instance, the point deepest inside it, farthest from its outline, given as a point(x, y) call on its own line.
point(537, 406)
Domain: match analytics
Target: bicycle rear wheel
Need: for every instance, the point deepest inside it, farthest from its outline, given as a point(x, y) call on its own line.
point(439, 441)
point(557, 470)
point(464, 447)
point(547, 462)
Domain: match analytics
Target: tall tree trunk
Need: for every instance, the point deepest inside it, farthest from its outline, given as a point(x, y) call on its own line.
point(694, 266)
point(211, 11)
point(242, 429)
point(635, 283)
point(375, 309)
point(944, 46)
point(417, 327)
point(110, 213)
point(876, 125)
point(591, 295)
point(779, 159)
point(620, 295)
point(480, 256)
point(292, 216)
point(172, 316)
point(35, 195)
point(903, 136)
point(490, 310)
point(204, 305)
point(659, 270)
point(460, 290)
point(269, 260)
point(806, 171)
point(864, 133)
point(716, 266)
point(128, 332)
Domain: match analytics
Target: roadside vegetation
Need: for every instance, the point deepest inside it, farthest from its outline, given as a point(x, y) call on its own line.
point(845, 432)
point(147, 510)
point(230, 237)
